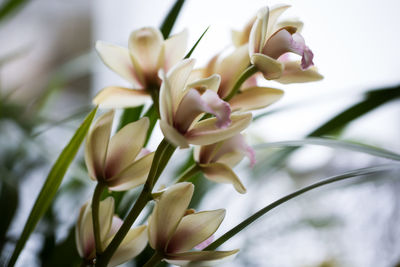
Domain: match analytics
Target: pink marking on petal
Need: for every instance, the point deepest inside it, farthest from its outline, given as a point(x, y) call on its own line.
point(251, 154)
point(205, 243)
point(219, 108)
point(299, 46)
point(142, 153)
point(307, 59)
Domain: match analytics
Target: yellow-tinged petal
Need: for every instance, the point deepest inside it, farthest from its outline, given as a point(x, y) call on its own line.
point(173, 135)
point(206, 132)
point(167, 214)
point(132, 244)
point(298, 24)
point(258, 32)
point(255, 98)
point(96, 145)
point(194, 229)
point(132, 176)
point(175, 49)
point(240, 38)
point(211, 83)
point(274, 14)
point(221, 173)
point(125, 145)
point(119, 60)
point(293, 73)
point(145, 46)
point(270, 68)
point(120, 97)
point(200, 258)
point(106, 212)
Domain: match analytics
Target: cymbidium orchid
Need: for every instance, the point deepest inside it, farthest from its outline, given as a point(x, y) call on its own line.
point(217, 160)
point(133, 243)
point(147, 53)
point(120, 163)
point(174, 232)
point(269, 40)
point(183, 103)
point(250, 96)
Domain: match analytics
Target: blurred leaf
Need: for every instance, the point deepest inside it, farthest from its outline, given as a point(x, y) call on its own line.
point(8, 206)
point(195, 45)
point(8, 7)
point(51, 185)
point(263, 211)
point(171, 17)
point(130, 115)
point(379, 152)
point(153, 117)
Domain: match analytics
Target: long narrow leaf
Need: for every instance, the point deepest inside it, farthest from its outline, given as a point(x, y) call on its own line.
point(335, 144)
point(263, 211)
point(9, 7)
point(195, 45)
point(52, 184)
point(170, 19)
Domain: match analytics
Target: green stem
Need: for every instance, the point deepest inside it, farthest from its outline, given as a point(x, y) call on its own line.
point(247, 73)
point(154, 260)
point(95, 216)
point(261, 212)
point(188, 173)
point(162, 155)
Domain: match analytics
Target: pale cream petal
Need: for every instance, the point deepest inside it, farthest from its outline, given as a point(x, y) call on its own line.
point(86, 235)
point(274, 14)
point(298, 24)
point(167, 214)
point(133, 244)
point(96, 145)
point(175, 49)
point(145, 46)
point(201, 258)
point(194, 229)
point(211, 83)
point(293, 73)
point(106, 213)
point(133, 175)
point(258, 32)
point(119, 60)
point(221, 173)
point(240, 38)
point(270, 68)
point(255, 98)
point(120, 97)
point(206, 132)
point(125, 145)
point(173, 136)
point(232, 150)
point(79, 241)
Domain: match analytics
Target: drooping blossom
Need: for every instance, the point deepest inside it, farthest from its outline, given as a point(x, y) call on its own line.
point(173, 232)
point(147, 53)
point(119, 162)
point(217, 160)
point(133, 243)
point(183, 104)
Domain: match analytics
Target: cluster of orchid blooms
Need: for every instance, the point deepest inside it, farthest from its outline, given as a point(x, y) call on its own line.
point(207, 107)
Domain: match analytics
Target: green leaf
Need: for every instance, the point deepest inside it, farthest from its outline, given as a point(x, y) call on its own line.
point(379, 152)
point(153, 117)
point(52, 184)
point(171, 17)
point(8, 206)
point(263, 211)
point(11, 6)
point(130, 115)
point(195, 45)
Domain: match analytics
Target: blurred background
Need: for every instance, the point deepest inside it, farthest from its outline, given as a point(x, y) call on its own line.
point(49, 72)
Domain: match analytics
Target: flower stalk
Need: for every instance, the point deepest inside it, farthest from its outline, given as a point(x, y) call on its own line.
point(247, 73)
point(188, 173)
point(154, 260)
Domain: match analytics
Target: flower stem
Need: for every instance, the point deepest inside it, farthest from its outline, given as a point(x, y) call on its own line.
point(247, 73)
point(154, 260)
point(188, 173)
point(95, 215)
point(162, 155)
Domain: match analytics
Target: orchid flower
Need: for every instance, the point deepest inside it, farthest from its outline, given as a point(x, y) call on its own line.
point(250, 96)
point(217, 160)
point(267, 43)
point(119, 162)
point(182, 105)
point(134, 242)
point(147, 53)
point(173, 234)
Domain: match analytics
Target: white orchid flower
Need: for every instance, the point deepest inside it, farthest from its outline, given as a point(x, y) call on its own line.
point(173, 234)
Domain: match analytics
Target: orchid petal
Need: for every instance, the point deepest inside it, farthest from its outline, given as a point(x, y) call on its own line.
point(293, 73)
point(133, 176)
point(210, 83)
point(200, 258)
point(175, 49)
point(167, 214)
point(125, 145)
point(145, 46)
point(96, 145)
point(173, 136)
point(255, 98)
point(219, 108)
point(270, 68)
point(298, 24)
point(206, 132)
point(119, 97)
point(106, 212)
point(221, 173)
point(274, 14)
point(258, 32)
point(240, 38)
point(279, 43)
point(194, 229)
point(118, 59)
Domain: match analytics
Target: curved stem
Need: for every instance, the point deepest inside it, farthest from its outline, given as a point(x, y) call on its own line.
point(247, 73)
point(154, 260)
point(95, 215)
point(188, 173)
